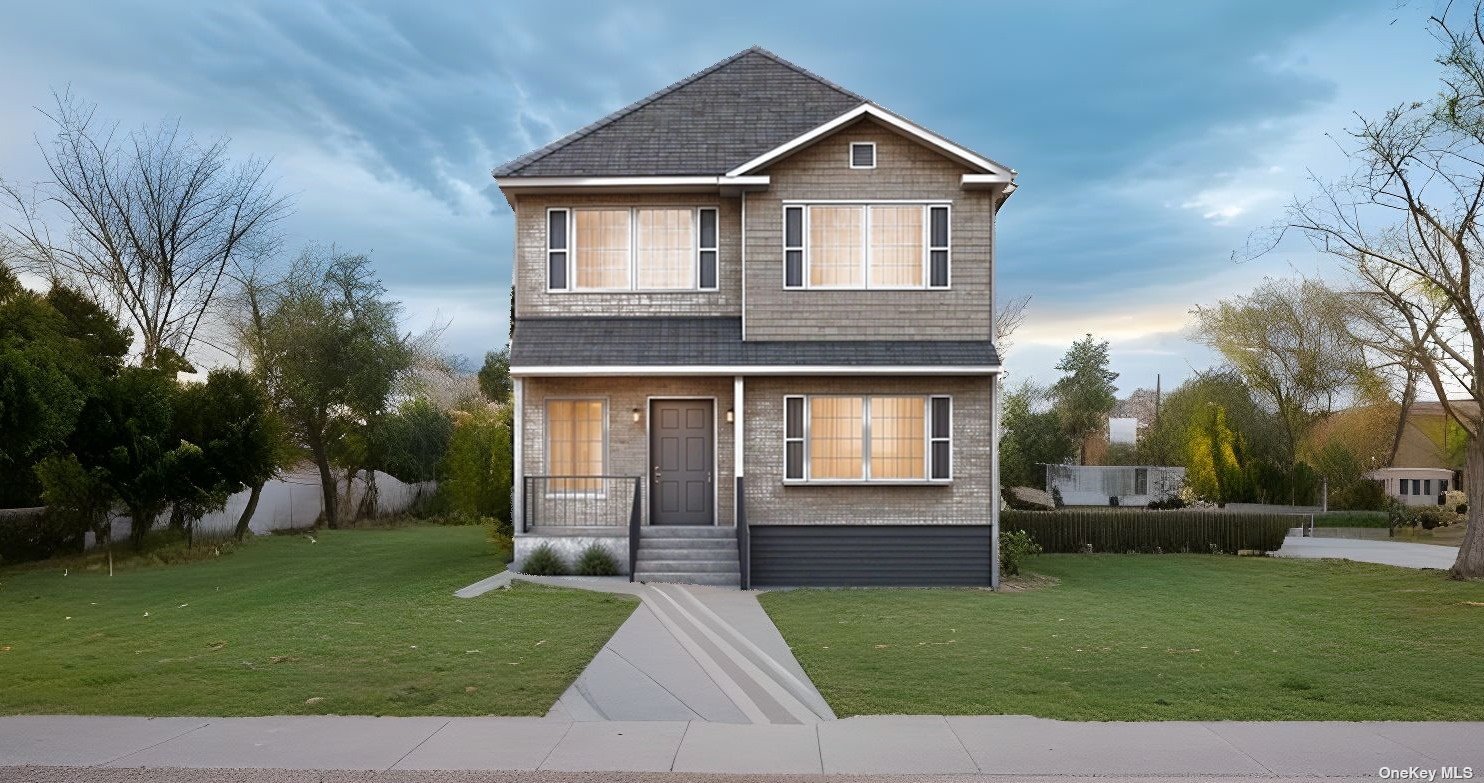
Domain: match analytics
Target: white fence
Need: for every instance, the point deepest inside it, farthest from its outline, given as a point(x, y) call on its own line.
point(293, 501)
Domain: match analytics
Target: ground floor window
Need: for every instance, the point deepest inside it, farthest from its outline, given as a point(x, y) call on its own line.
point(881, 438)
point(576, 444)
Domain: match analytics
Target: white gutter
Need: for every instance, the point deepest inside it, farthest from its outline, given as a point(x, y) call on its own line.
point(745, 369)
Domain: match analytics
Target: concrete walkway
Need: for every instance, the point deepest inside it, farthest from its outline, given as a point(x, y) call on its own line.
point(1393, 553)
point(690, 653)
point(999, 745)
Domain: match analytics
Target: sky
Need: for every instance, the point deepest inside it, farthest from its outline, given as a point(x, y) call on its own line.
point(1151, 138)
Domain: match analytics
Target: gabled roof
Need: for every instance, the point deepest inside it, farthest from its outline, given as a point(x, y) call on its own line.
point(677, 342)
point(704, 124)
point(736, 117)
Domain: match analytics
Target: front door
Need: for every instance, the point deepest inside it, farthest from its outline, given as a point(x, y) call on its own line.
point(682, 486)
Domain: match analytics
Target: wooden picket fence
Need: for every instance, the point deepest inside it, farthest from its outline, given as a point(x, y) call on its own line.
point(1142, 530)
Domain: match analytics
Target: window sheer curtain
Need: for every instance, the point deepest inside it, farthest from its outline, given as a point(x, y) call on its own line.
point(667, 248)
point(574, 434)
point(602, 257)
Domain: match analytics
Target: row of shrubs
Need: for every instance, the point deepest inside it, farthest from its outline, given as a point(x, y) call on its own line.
point(27, 534)
point(595, 560)
point(1208, 532)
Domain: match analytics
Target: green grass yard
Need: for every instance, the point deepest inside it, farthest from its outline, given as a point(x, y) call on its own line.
point(1153, 637)
point(358, 622)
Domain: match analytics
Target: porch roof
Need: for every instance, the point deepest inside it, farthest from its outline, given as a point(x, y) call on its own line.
point(711, 342)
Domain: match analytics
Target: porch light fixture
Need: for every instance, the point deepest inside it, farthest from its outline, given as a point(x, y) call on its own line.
point(636, 415)
point(730, 416)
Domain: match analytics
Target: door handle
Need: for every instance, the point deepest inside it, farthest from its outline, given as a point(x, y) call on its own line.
point(657, 474)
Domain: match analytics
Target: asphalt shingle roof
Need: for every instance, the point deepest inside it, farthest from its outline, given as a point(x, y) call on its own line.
point(709, 341)
point(705, 124)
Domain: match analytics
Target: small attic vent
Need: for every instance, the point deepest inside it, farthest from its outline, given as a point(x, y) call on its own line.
point(862, 155)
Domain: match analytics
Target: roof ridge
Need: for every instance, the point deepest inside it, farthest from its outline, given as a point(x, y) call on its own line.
point(586, 130)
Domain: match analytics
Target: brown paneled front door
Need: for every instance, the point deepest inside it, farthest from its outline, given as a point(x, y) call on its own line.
point(682, 484)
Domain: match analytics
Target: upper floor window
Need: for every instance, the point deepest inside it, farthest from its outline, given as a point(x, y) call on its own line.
point(866, 246)
point(862, 155)
point(631, 249)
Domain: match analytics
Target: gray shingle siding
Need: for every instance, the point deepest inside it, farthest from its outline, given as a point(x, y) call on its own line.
point(904, 170)
point(705, 124)
point(582, 342)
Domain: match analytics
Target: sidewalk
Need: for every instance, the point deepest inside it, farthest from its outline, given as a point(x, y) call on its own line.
point(999, 745)
point(1395, 553)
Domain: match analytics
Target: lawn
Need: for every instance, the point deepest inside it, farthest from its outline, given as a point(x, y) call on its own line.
point(352, 622)
point(1151, 637)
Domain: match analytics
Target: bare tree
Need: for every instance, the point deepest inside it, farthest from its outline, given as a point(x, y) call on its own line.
point(1406, 224)
point(1009, 317)
point(149, 222)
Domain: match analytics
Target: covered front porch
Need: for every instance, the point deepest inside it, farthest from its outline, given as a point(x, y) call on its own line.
point(620, 460)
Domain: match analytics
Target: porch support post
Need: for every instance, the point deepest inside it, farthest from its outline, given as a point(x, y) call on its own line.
point(737, 406)
point(518, 484)
point(994, 480)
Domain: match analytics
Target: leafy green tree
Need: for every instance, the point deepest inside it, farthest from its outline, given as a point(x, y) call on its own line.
point(494, 376)
point(229, 417)
point(414, 440)
point(126, 440)
point(1084, 396)
point(54, 350)
point(1032, 438)
point(478, 472)
point(1292, 342)
point(331, 351)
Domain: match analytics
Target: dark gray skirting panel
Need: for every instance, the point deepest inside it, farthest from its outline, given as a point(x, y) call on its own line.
point(870, 555)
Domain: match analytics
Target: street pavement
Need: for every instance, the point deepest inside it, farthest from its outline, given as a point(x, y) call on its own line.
point(1394, 553)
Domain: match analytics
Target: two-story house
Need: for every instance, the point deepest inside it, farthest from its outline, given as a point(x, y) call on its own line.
point(752, 339)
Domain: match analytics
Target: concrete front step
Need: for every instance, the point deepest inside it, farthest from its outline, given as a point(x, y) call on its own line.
point(732, 579)
point(687, 531)
point(686, 553)
point(692, 544)
point(647, 565)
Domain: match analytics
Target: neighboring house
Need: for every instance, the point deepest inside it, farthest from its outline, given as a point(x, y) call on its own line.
point(752, 321)
point(1099, 485)
point(1415, 486)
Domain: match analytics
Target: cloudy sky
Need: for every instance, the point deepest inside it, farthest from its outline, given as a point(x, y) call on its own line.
point(1151, 138)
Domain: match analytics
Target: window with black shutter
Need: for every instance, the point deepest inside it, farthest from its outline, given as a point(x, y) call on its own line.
point(707, 248)
point(556, 249)
point(793, 247)
point(938, 247)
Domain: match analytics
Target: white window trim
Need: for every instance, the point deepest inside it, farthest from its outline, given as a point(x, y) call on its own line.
point(633, 286)
point(927, 435)
point(865, 206)
point(850, 154)
point(546, 443)
point(567, 225)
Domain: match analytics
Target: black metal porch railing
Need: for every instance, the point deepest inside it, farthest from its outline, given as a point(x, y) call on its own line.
point(579, 501)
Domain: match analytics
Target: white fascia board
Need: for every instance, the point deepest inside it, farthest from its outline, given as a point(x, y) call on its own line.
point(755, 181)
point(985, 180)
point(734, 370)
point(876, 112)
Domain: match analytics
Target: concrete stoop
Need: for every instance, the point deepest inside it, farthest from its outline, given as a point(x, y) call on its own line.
point(688, 555)
point(677, 658)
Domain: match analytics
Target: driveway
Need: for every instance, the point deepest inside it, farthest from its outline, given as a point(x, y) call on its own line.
point(1393, 553)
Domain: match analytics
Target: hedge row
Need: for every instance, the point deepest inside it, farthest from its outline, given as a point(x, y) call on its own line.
point(1151, 531)
point(31, 534)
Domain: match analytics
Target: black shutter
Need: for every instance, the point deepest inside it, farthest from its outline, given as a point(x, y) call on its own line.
point(793, 438)
point(708, 248)
point(938, 248)
point(556, 249)
point(793, 247)
point(940, 435)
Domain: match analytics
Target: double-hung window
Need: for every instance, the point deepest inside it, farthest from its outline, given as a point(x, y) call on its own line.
point(576, 445)
point(631, 249)
point(873, 438)
point(866, 246)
